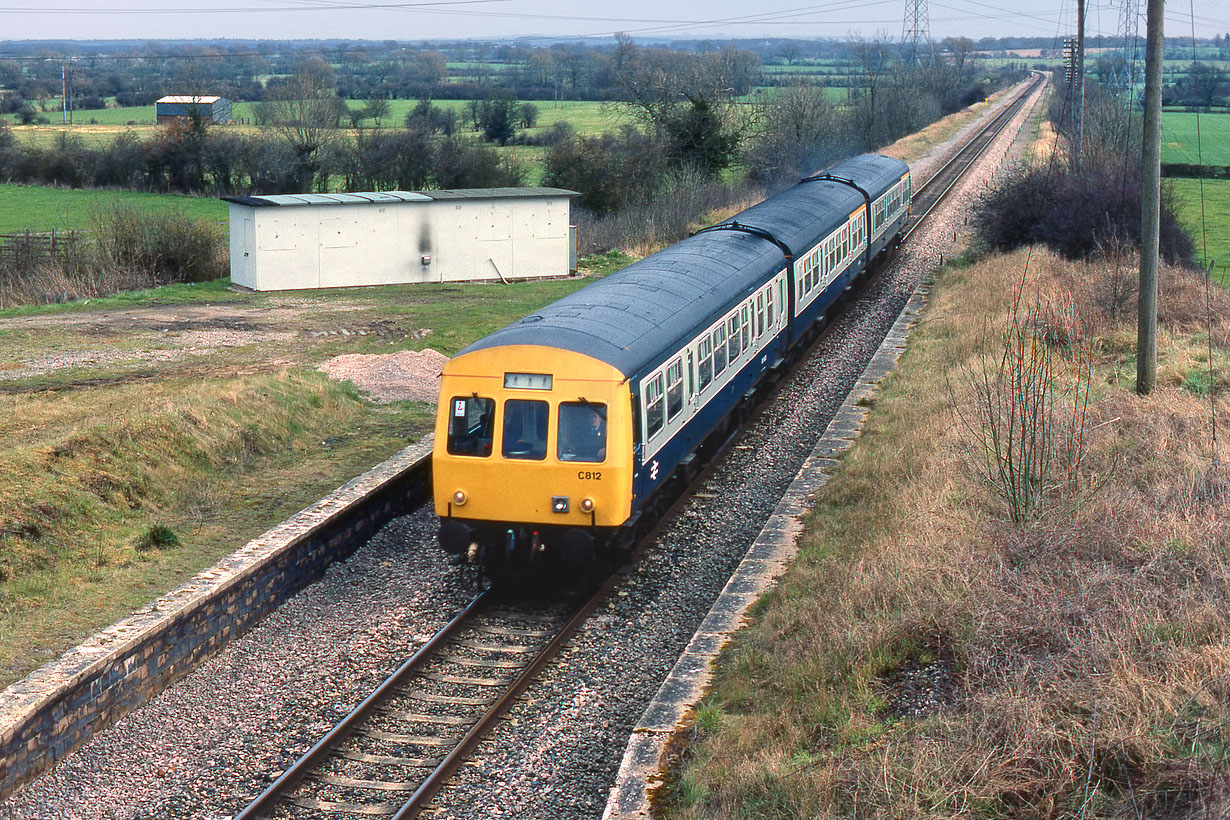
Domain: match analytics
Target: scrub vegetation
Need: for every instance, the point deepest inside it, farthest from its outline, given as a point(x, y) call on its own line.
point(125, 248)
point(937, 651)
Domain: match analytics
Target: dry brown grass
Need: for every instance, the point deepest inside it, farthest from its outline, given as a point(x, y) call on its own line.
point(925, 657)
point(915, 146)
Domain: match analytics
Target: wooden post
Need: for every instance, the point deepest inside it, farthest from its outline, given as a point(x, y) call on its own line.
point(1150, 203)
point(1078, 77)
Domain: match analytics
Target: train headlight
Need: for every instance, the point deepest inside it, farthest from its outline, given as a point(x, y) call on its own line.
point(459, 498)
point(587, 505)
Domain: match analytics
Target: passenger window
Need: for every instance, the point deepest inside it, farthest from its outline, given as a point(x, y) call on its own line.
point(768, 308)
point(719, 351)
point(674, 389)
point(525, 429)
point(470, 426)
point(760, 314)
point(653, 407)
point(691, 374)
point(706, 361)
point(582, 432)
point(732, 338)
point(745, 316)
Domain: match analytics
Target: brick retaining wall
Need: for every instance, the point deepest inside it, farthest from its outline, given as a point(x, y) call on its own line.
point(61, 705)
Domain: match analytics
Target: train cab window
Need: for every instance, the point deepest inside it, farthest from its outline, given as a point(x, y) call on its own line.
point(674, 389)
point(704, 352)
point(746, 314)
point(719, 350)
point(470, 426)
point(525, 429)
point(582, 432)
point(654, 405)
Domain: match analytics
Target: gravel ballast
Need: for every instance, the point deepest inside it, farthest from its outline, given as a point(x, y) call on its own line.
point(209, 744)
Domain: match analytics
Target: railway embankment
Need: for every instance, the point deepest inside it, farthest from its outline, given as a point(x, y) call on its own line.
point(1012, 596)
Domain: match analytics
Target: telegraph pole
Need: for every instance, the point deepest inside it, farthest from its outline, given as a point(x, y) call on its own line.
point(1150, 203)
point(1079, 118)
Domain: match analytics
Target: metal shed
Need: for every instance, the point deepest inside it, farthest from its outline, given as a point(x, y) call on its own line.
point(170, 108)
point(297, 241)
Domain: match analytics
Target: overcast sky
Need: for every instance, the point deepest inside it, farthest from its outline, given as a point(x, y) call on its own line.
point(416, 20)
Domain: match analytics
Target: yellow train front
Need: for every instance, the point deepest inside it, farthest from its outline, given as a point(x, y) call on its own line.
point(533, 459)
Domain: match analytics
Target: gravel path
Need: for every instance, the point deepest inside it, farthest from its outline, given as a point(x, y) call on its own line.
point(208, 745)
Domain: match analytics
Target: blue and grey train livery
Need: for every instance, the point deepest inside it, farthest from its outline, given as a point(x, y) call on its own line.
point(558, 432)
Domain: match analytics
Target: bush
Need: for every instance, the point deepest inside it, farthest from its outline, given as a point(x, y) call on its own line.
point(677, 206)
point(126, 249)
point(157, 537)
point(1075, 214)
point(164, 247)
point(610, 171)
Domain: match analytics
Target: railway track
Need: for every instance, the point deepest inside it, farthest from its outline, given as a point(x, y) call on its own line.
point(930, 195)
point(396, 750)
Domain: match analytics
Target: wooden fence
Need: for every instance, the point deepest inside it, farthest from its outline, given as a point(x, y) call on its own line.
point(21, 249)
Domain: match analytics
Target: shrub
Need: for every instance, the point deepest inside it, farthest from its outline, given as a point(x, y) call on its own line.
point(610, 171)
point(157, 537)
point(164, 247)
point(126, 249)
point(1076, 214)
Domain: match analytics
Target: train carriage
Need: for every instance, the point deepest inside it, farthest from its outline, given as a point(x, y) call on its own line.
point(557, 432)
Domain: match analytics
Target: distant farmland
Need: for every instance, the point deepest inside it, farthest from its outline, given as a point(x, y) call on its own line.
point(42, 209)
point(1179, 138)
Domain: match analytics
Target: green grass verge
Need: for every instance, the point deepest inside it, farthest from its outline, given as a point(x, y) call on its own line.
point(1179, 139)
point(1205, 212)
point(40, 208)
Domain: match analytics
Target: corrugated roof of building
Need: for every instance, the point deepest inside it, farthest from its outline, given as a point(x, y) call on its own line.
point(180, 98)
point(383, 197)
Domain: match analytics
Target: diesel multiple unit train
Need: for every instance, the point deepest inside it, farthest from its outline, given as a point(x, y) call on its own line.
point(556, 434)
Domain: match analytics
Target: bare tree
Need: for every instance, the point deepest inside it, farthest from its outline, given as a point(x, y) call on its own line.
point(304, 113)
point(688, 100)
point(376, 109)
point(797, 131)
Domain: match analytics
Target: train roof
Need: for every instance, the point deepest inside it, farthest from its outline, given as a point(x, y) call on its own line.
point(876, 173)
point(634, 317)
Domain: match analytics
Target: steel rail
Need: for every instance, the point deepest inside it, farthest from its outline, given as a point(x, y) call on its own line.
point(447, 767)
point(320, 751)
point(967, 155)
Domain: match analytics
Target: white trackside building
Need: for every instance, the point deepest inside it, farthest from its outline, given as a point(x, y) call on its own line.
point(297, 241)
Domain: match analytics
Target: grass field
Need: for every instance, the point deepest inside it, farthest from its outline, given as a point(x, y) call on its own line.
point(587, 117)
point(37, 208)
point(1179, 142)
point(1211, 230)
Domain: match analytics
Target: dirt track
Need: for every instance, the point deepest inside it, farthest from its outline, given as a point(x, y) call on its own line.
point(86, 349)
